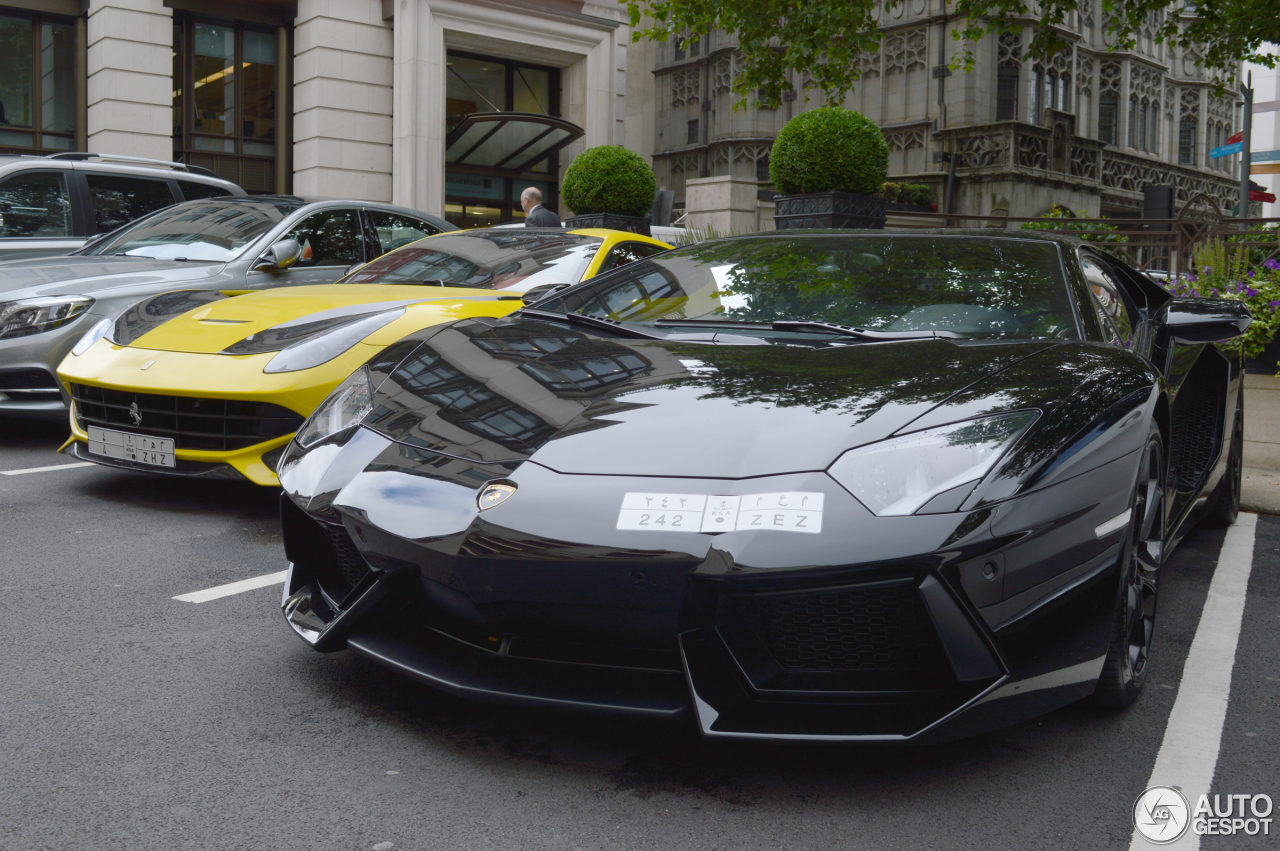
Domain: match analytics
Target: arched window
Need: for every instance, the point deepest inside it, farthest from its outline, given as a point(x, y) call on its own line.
point(1007, 91)
point(1063, 88)
point(1133, 121)
point(1037, 98)
point(1142, 125)
point(1153, 128)
point(1050, 88)
point(1187, 141)
point(1108, 117)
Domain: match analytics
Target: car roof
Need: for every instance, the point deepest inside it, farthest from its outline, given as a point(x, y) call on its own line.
point(108, 163)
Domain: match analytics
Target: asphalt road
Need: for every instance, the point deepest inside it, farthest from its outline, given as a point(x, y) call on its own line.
point(130, 720)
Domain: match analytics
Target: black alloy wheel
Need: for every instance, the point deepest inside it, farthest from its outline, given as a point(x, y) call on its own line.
point(1226, 496)
point(1125, 669)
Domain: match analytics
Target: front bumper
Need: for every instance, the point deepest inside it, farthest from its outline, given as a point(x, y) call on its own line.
point(753, 634)
point(197, 376)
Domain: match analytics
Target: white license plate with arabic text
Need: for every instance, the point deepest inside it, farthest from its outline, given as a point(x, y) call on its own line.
point(139, 448)
point(789, 511)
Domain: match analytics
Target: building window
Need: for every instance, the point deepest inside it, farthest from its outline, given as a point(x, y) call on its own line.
point(1064, 86)
point(224, 101)
point(1153, 124)
point(481, 196)
point(693, 132)
point(1050, 89)
point(1187, 141)
point(1142, 125)
point(37, 83)
point(1037, 105)
point(1108, 117)
point(762, 169)
point(1007, 92)
point(1133, 121)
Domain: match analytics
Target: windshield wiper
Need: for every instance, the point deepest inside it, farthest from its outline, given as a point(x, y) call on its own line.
point(594, 322)
point(860, 333)
point(811, 325)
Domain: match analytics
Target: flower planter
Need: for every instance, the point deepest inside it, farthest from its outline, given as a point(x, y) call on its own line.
point(634, 224)
point(1267, 362)
point(829, 210)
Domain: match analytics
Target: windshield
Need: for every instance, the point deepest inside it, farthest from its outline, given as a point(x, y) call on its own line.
point(970, 285)
point(198, 230)
point(489, 259)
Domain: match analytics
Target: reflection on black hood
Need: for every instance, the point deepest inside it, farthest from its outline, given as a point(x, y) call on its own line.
point(504, 391)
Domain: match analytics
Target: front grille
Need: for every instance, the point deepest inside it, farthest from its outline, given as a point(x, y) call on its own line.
point(28, 379)
point(881, 627)
point(345, 569)
point(1197, 424)
point(217, 425)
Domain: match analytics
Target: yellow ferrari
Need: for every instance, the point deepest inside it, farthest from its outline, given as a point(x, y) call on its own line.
point(214, 384)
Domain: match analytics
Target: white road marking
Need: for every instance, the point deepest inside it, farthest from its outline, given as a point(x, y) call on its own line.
point(47, 469)
point(233, 588)
point(1189, 752)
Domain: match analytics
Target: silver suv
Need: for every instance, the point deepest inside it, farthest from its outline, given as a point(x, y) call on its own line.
point(52, 204)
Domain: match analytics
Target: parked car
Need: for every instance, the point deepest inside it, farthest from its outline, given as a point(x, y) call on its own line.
point(53, 204)
point(196, 383)
point(875, 486)
point(227, 243)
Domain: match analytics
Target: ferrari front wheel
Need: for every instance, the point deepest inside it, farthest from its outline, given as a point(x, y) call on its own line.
point(1125, 669)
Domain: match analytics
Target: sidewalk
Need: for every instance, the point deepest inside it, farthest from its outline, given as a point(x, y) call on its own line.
point(1260, 490)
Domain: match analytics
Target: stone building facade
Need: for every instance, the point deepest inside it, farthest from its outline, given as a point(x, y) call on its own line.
point(337, 98)
point(1088, 128)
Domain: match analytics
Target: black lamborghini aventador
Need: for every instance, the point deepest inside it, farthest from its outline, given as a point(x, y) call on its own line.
point(829, 485)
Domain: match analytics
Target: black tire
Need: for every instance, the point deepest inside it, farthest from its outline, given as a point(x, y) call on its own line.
point(1142, 556)
point(1226, 496)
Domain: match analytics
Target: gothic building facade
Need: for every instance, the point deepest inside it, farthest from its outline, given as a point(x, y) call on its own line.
point(1088, 128)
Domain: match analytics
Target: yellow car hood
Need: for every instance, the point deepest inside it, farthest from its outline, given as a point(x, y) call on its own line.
point(213, 327)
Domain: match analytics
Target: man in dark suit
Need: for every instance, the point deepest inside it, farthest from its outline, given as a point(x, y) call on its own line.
point(539, 216)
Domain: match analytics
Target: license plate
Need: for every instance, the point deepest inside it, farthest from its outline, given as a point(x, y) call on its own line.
point(156, 451)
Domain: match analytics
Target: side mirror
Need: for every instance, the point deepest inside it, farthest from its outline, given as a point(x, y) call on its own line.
point(1204, 320)
point(279, 256)
point(538, 293)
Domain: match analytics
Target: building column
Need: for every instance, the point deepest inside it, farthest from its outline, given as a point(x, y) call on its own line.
point(130, 50)
point(342, 126)
point(418, 132)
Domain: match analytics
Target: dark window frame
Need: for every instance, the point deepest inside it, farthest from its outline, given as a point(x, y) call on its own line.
point(37, 131)
point(506, 204)
point(184, 149)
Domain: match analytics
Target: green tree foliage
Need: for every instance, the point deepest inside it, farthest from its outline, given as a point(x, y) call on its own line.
point(1075, 224)
point(609, 179)
point(908, 193)
point(822, 38)
point(829, 150)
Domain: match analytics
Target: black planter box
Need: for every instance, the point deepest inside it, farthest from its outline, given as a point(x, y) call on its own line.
point(1267, 362)
point(635, 224)
point(829, 210)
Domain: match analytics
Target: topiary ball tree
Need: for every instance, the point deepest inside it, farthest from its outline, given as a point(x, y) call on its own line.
point(609, 179)
point(829, 149)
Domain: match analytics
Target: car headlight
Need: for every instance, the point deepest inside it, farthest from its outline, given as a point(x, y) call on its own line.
point(346, 406)
point(33, 315)
point(322, 348)
point(899, 476)
point(93, 335)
